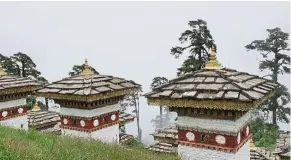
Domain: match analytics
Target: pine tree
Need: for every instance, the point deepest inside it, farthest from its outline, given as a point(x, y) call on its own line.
point(274, 50)
point(198, 41)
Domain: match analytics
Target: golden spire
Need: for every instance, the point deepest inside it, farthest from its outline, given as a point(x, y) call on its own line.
point(87, 69)
point(2, 72)
point(252, 145)
point(35, 108)
point(213, 63)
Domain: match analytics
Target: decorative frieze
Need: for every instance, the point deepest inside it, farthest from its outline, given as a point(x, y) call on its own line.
point(89, 124)
point(208, 113)
point(13, 97)
point(213, 140)
point(85, 129)
point(89, 105)
point(12, 112)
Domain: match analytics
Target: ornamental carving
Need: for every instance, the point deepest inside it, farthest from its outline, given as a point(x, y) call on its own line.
point(82, 123)
point(238, 138)
point(113, 117)
point(20, 110)
point(96, 123)
point(190, 136)
point(220, 139)
point(65, 121)
point(247, 130)
point(4, 113)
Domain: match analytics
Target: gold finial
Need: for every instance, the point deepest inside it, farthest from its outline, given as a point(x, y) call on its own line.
point(213, 63)
point(87, 69)
point(252, 145)
point(35, 108)
point(2, 72)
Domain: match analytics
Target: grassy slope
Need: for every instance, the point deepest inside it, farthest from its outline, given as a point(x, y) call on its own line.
point(31, 145)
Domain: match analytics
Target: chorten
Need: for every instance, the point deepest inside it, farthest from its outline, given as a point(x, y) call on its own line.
point(13, 93)
point(213, 106)
point(90, 103)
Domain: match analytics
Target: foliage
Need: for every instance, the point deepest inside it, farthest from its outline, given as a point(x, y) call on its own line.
point(197, 41)
point(31, 145)
point(161, 120)
point(30, 101)
point(276, 46)
point(264, 134)
point(77, 69)
point(134, 143)
point(132, 100)
point(157, 81)
point(21, 65)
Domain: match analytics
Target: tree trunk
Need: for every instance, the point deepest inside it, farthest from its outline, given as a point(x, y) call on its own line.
point(161, 117)
point(137, 117)
point(23, 70)
point(46, 103)
point(274, 117)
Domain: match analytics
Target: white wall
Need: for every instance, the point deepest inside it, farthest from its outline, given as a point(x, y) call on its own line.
point(214, 125)
point(16, 122)
point(192, 153)
point(13, 103)
point(108, 134)
point(89, 113)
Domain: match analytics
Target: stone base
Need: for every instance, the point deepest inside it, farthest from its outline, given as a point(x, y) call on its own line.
point(191, 153)
point(20, 122)
point(109, 134)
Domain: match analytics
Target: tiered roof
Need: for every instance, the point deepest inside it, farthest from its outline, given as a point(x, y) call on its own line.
point(10, 84)
point(213, 87)
point(125, 118)
point(162, 147)
point(123, 137)
point(166, 140)
point(41, 120)
point(283, 144)
point(167, 135)
point(88, 86)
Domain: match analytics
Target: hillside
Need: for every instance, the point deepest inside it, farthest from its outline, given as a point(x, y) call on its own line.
point(31, 145)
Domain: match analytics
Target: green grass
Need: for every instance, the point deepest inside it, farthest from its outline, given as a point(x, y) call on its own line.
point(134, 143)
point(31, 145)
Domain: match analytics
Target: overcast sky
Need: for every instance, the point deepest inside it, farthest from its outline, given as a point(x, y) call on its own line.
point(133, 39)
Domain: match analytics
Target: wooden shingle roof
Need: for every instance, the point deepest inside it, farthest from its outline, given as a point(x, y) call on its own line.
point(40, 120)
point(204, 88)
point(88, 87)
point(13, 84)
point(125, 118)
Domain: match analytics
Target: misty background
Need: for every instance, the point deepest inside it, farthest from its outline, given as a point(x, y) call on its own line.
point(133, 39)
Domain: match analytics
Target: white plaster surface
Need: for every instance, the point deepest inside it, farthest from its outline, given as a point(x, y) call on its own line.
point(16, 122)
point(89, 113)
point(214, 125)
point(192, 153)
point(12, 103)
point(108, 134)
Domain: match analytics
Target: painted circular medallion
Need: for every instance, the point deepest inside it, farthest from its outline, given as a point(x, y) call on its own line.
point(20, 110)
point(220, 139)
point(190, 136)
point(238, 138)
point(247, 130)
point(96, 122)
point(65, 121)
point(113, 117)
point(4, 113)
point(82, 123)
